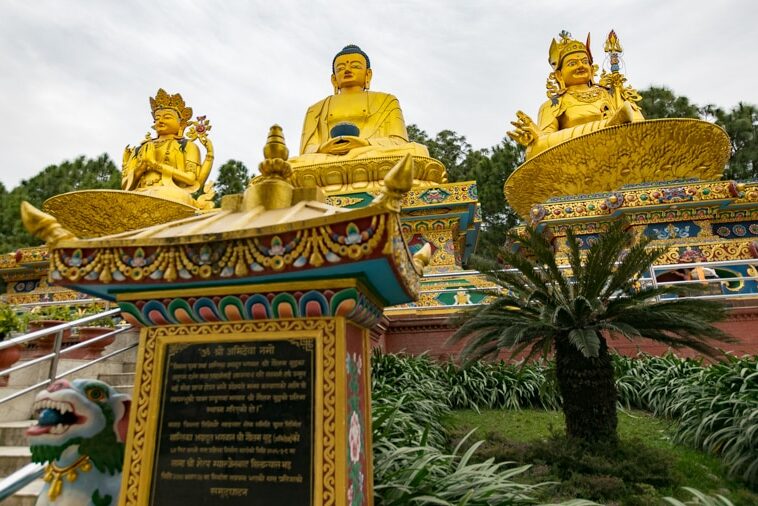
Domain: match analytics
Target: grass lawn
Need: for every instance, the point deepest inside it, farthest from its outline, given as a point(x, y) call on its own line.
point(533, 437)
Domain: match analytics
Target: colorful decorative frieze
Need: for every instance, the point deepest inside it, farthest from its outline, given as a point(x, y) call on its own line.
point(258, 305)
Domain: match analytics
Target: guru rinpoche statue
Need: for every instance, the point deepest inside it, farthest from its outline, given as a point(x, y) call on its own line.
point(577, 105)
point(169, 165)
point(354, 122)
point(591, 138)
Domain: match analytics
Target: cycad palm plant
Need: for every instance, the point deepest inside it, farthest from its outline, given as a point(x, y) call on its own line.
point(544, 309)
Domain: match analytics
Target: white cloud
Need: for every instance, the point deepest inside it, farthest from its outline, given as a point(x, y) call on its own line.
point(77, 75)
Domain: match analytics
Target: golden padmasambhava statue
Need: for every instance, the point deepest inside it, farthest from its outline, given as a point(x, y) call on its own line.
point(591, 138)
point(169, 165)
point(354, 122)
point(577, 105)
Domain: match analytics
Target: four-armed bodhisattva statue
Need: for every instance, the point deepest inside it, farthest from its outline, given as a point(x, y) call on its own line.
point(169, 165)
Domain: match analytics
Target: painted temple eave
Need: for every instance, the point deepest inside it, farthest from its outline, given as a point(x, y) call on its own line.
point(365, 243)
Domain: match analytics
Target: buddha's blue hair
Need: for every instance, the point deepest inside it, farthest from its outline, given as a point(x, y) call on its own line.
point(351, 49)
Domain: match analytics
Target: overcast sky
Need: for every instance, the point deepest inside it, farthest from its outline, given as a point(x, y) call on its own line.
point(76, 75)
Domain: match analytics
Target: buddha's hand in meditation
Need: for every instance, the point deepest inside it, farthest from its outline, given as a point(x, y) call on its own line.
point(526, 131)
point(342, 144)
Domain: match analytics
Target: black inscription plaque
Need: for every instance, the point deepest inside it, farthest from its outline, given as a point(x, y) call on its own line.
point(236, 424)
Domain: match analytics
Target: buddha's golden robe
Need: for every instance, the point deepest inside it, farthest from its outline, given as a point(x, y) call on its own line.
point(378, 117)
point(572, 115)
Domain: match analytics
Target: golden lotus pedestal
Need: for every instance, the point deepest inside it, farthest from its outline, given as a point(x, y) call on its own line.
point(606, 160)
point(364, 174)
point(444, 215)
point(95, 213)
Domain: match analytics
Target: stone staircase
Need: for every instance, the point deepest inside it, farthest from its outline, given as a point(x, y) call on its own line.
point(14, 454)
point(15, 415)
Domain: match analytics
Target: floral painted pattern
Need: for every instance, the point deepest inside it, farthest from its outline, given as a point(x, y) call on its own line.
point(355, 441)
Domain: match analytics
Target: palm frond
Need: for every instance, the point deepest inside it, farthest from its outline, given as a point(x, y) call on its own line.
point(601, 261)
point(540, 302)
point(586, 341)
point(545, 260)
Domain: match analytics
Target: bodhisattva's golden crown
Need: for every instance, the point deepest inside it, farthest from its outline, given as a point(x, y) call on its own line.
point(163, 100)
point(566, 46)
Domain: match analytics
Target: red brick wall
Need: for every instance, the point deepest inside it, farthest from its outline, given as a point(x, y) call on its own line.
point(429, 334)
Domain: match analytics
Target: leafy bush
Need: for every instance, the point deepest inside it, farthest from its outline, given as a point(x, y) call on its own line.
point(428, 475)
point(716, 406)
point(700, 499)
point(500, 385)
point(411, 463)
point(9, 320)
point(408, 401)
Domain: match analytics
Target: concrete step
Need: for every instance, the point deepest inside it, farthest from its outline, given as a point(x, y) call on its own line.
point(12, 433)
point(19, 408)
point(129, 367)
point(123, 382)
point(118, 378)
point(13, 458)
point(125, 389)
point(27, 496)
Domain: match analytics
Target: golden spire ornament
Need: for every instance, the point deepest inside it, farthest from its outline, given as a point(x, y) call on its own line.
point(271, 189)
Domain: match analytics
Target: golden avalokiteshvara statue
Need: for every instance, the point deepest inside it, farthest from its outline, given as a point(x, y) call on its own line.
point(159, 178)
point(354, 123)
point(169, 165)
point(577, 105)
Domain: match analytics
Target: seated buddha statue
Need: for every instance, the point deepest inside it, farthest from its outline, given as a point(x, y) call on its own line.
point(354, 123)
point(577, 105)
point(169, 164)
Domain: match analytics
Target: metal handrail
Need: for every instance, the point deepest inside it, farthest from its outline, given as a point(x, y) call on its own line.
point(31, 336)
point(55, 355)
point(19, 479)
point(53, 376)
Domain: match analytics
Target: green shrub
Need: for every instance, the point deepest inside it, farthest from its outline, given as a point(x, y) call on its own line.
point(700, 499)
point(428, 475)
point(715, 406)
point(9, 320)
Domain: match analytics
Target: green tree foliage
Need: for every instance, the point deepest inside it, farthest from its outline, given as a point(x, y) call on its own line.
point(488, 167)
point(544, 310)
point(741, 123)
point(233, 177)
point(448, 147)
point(80, 174)
point(660, 102)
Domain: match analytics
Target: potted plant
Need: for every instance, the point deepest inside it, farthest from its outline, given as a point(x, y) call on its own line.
point(44, 317)
point(9, 322)
point(92, 330)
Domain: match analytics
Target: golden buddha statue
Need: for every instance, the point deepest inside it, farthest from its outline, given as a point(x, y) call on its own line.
point(169, 165)
point(354, 123)
point(577, 105)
